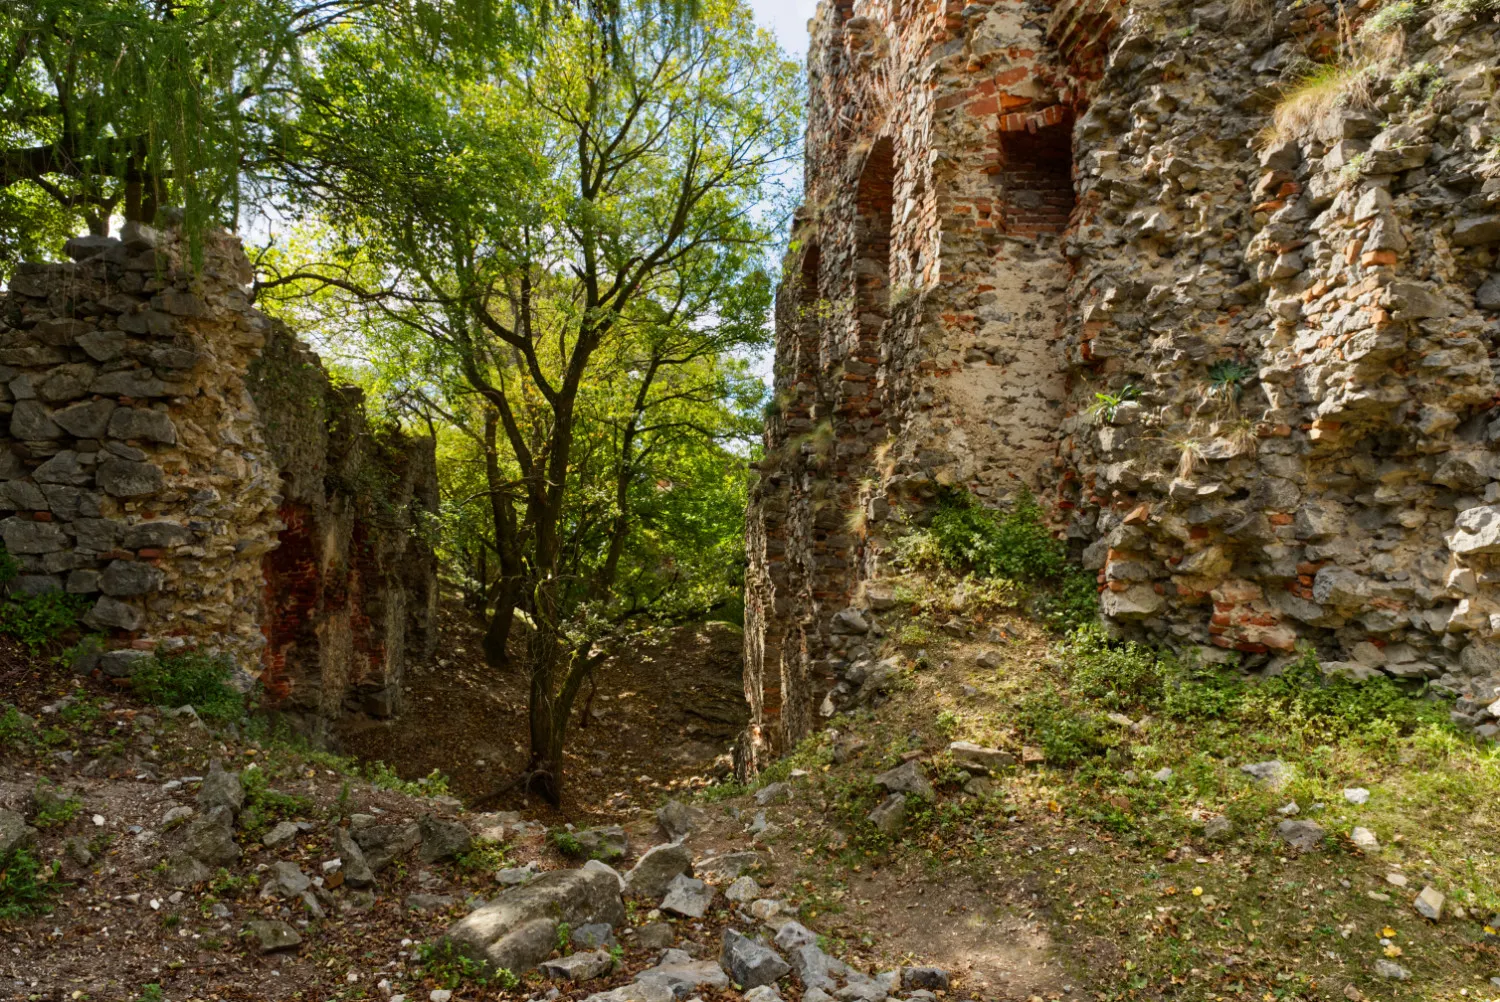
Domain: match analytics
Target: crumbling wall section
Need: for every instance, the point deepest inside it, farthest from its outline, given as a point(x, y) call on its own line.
point(1249, 372)
point(145, 470)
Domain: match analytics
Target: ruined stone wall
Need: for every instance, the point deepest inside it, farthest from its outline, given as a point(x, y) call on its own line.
point(1249, 373)
point(169, 449)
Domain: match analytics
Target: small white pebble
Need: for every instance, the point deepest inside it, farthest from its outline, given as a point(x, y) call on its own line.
point(98, 821)
point(155, 905)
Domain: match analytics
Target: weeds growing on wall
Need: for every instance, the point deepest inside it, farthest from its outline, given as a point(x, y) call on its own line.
point(192, 679)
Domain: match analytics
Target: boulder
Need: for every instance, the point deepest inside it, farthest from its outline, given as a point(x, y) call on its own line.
point(688, 897)
point(751, 963)
point(933, 979)
point(655, 936)
point(728, 866)
point(577, 966)
point(677, 820)
point(357, 870)
point(1304, 836)
point(636, 991)
point(209, 838)
point(442, 839)
point(518, 929)
point(383, 843)
point(656, 869)
point(680, 974)
point(890, 816)
point(1273, 774)
point(284, 831)
point(906, 778)
point(977, 758)
point(743, 890)
point(1429, 903)
point(793, 934)
point(272, 935)
point(15, 833)
point(221, 789)
point(599, 866)
point(593, 936)
point(607, 843)
point(815, 968)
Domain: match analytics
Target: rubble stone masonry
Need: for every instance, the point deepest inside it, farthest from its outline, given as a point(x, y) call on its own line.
point(1249, 372)
point(179, 461)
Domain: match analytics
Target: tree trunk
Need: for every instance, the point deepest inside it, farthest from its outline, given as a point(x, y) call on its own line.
point(506, 544)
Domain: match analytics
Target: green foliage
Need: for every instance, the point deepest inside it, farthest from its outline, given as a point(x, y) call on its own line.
point(1015, 545)
point(1107, 405)
point(52, 808)
point(1069, 735)
point(1420, 82)
point(483, 856)
point(16, 729)
point(27, 886)
point(564, 936)
point(445, 965)
point(1473, 7)
point(726, 790)
point(37, 620)
point(152, 993)
point(1401, 14)
point(1116, 676)
point(264, 805)
point(195, 679)
point(564, 842)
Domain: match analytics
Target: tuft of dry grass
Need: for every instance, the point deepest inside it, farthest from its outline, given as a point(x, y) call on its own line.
point(1307, 103)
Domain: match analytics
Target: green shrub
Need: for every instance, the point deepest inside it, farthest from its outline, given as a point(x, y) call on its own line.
point(1068, 735)
point(1339, 706)
point(37, 620)
point(1014, 545)
point(1403, 14)
point(26, 885)
point(195, 679)
point(53, 808)
point(1117, 676)
point(264, 805)
point(16, 729)
point(444, 964)
point(1475, 7)
point(483, 856)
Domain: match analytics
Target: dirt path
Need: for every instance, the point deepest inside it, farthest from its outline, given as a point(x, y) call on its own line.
point(661, 721)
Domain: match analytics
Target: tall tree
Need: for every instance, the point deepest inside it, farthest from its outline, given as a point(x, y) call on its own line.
point(121, 107)
point(585, 197)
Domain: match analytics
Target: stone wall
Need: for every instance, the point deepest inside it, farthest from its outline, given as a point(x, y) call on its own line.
point(171, 453)
point(1249, 372)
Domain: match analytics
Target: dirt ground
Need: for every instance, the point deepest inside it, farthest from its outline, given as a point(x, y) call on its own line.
point(660, 723)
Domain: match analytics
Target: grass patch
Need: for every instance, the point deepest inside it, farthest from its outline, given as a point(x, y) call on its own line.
point(192, 679)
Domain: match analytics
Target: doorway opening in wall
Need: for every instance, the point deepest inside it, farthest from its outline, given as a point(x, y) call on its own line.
point(1036, 177)
point(812, 263)
point(874, 202)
